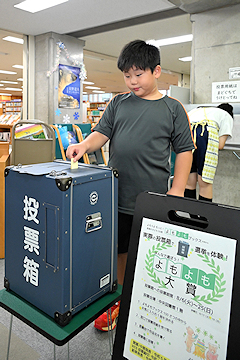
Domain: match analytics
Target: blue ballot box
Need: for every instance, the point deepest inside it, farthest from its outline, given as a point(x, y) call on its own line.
point(183, 248)
point(61, 235)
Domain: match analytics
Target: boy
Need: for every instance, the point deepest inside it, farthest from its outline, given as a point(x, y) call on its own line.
point(141, 126)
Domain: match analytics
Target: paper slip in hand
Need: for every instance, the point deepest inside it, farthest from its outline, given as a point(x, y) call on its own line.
point(74, 165)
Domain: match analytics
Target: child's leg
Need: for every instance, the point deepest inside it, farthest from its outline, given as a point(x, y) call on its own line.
point(204, 199)
point(188, 193)
point(121, 265)
point(124, 231)
point(205, 189)
point(192, 181)
point(190, 190)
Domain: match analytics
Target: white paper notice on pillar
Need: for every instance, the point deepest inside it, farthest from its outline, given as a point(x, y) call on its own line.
point(226, 91)
point(234, 73)
point(181, 299)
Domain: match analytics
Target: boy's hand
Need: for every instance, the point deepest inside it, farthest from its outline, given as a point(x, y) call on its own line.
point(75, 152)
point(93, 142)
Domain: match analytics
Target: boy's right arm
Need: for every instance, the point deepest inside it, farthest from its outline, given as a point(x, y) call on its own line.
point(92, 143)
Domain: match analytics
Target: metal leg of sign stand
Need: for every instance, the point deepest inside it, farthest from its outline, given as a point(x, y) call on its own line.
point(110, 332)
point(9, 337)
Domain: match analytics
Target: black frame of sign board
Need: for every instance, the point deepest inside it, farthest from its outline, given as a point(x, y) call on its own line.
point(208, 217)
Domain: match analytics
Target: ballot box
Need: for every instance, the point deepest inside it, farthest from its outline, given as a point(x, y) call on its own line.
point(61, 235)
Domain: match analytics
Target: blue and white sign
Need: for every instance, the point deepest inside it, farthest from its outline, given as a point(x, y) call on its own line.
point(69, 87)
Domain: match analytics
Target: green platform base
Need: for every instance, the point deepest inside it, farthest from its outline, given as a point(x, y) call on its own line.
point(46, 326)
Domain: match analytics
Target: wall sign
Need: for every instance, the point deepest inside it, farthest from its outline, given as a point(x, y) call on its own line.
point(226, 91)
point(234, 73)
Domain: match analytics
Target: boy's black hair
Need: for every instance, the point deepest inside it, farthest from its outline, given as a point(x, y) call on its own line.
point(227, 107)
point(138, 53)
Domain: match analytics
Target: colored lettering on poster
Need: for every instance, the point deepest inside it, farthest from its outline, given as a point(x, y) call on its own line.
point(145, 353)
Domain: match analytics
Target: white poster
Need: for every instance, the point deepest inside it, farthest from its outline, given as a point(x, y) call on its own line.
point(226, 91)
point(234, 73)
point(181, 299)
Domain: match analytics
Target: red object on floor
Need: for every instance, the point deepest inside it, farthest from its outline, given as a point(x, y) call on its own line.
point(101, 323)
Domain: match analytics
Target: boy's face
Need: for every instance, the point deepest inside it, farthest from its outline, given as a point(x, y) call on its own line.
point(142, 82)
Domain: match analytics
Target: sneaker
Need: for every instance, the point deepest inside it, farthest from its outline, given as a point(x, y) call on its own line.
point(101, 323)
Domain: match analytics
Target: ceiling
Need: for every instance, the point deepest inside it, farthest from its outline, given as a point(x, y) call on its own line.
point(106, 26)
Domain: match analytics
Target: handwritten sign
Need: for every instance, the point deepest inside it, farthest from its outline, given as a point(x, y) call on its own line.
point(226, 91)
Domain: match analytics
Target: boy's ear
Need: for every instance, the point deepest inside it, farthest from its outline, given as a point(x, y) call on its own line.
point(157, 71)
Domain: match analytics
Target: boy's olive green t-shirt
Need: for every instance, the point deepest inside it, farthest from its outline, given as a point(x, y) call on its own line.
point(141, 132)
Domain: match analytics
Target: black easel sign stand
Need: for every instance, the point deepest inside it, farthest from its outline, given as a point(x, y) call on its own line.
point(181, 288)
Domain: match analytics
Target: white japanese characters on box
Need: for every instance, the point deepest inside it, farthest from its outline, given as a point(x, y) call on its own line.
point(31, 240)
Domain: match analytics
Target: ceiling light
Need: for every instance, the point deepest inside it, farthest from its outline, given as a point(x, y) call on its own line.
point(8, 82)
point(14, 39)
point(99, 91)
point(35, 6)
point(186, 58)
point(13, 89)
point(7, 72)
point(92, 87)
point(4, 94)
point(171, 41)
point(18, 66)
point(88, 82)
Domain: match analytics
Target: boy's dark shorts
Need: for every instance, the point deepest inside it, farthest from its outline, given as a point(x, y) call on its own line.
point(199, 153)
point(124, 231)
